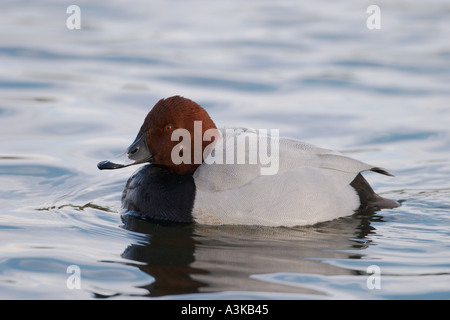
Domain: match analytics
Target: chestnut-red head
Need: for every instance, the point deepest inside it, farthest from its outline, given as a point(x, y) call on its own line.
point(154, 141)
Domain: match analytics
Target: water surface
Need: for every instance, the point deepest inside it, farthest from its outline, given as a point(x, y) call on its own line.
point(70, 98)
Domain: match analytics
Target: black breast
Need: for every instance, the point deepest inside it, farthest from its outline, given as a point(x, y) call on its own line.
point(156, 194)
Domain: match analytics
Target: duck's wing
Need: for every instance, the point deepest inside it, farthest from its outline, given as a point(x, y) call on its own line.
point(294, 153)
point(242, 155)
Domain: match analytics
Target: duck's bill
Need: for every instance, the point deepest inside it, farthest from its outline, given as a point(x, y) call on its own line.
point(113, 164)
point(136, 153)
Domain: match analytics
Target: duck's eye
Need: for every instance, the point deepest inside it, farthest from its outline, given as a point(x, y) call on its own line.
point(168, 127)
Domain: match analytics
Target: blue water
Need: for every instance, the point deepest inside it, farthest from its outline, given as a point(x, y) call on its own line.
point(70, 98)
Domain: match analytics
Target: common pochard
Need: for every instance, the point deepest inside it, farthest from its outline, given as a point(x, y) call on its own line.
point(236, 176)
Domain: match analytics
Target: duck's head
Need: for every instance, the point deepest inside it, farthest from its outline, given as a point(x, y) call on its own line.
point(159, 142)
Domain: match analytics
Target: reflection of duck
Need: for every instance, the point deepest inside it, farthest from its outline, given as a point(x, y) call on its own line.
point(185, 183)
point(196, 258)
point(167, 256)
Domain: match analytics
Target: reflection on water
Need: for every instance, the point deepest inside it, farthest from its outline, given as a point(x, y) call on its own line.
point(167, 256)
point(195, 258)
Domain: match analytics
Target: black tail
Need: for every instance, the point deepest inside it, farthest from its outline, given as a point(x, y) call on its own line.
point(382, 171)
point(368, 198)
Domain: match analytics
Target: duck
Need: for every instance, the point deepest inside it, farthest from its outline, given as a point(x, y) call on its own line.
point(194, 172)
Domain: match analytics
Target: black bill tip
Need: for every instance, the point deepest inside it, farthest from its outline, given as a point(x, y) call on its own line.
point(105, 165)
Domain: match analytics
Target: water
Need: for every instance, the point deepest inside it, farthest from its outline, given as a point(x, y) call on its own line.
point(70, 98)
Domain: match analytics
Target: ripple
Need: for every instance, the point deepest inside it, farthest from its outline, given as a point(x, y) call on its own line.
point(72, 128)
point(393, 137)
point(209, 82)
point(356, 287)
point(35, 171)
point(340, 83)
point(21, 85)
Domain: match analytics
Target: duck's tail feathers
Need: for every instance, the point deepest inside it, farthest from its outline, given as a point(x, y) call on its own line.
point(382, 171)
point(368, 198)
